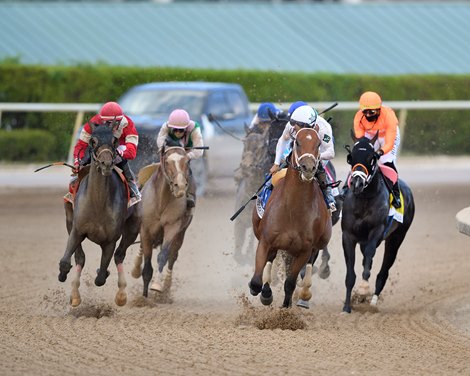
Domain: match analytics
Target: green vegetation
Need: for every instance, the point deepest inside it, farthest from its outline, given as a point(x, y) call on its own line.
point(427, 132)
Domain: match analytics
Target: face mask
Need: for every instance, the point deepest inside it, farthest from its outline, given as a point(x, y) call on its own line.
point(372, 118)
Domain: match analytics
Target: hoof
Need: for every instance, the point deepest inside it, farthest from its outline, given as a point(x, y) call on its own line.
point(266, 301)
point(75, 302)
point(254, 291)
point(121, 299)
point(324, 273)
point(100, 279)
point(136, 272)
point(303, 303)
point(62, 277)
point(346, 309)
point(374, 300)
point(156, 286)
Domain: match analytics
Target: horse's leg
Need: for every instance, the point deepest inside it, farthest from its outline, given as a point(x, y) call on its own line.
point(266, 296)
point(349, 250)
point(75, 298)
point(392, 244)
point(147, 250)
point(128, 237)
point(305, 293)
point(256, 282)
point(107, 251)
point(291, 280)
point(324, 271)
point(368, 251)
point(65, 265)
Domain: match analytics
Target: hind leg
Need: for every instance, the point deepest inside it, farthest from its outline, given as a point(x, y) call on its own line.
point(147, 250)
point(291, 280)
point(256, 282)
point(324, 270)
point(392, 244)
point(305, 285)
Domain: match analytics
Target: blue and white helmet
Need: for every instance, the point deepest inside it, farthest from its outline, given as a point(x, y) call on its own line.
point(304, 117)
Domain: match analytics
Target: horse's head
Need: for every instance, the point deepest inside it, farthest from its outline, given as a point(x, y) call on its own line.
point(363, 160)
point(306, 152)
point(103, 146)
point(175, 166)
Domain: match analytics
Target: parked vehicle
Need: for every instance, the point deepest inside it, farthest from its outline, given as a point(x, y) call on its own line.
point(214, 105)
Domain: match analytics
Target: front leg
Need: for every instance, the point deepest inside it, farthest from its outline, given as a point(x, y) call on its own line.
point(65, 264)
point(256, 282)
point(107, 251)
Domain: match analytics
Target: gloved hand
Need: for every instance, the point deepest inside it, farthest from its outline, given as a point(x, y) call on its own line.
point(121, 149)
point(379, 153)
point(76, 166)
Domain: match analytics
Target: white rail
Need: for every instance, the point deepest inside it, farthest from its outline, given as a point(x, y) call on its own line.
point(81, 108)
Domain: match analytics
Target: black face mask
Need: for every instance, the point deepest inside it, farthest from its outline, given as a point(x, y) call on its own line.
point(372, 118)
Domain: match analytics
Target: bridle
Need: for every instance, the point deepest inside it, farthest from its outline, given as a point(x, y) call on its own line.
point(163, 164)
point(297, 159)
point(362, 172)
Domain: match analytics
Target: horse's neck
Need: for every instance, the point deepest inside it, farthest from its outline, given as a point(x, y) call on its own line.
point(375, 186)
point(98, 187)
point(298, 188)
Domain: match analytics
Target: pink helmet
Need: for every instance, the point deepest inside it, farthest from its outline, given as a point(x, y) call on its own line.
point(179, 119)
point(111, 111)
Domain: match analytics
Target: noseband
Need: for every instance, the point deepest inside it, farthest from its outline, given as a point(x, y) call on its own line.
point(298, 159)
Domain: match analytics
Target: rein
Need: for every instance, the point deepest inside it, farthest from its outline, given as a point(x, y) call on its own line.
point(97, 157)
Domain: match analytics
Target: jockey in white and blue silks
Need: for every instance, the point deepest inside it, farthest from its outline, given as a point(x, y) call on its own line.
point(306, 116)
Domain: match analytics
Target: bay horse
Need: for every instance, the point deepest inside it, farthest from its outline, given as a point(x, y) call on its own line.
point(164, 215)
point(365, 218)
point(99, 214)
point(295, 220)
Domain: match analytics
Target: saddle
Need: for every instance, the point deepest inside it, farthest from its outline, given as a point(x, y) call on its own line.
point(74, 184)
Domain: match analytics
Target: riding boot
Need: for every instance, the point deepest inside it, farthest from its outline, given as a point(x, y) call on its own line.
point(326, 189)
point(129, 175)
point(396, 202)
point(191, 192)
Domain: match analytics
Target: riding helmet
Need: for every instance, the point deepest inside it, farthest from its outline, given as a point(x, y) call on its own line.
point(264, 109)
point(304, 116)
point(179, 119)
point(294, 106)
point(370, 101)
point(111, 111)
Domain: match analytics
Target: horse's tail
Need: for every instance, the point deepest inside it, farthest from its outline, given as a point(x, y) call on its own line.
point(137, 269)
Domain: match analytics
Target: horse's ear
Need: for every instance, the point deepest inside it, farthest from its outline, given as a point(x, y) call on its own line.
point(93, 126)
point(374, 138)
point(353, 136)
point(348, 157)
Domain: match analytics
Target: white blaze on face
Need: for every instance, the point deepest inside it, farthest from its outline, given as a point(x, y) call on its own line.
point(179, 180)
point(309, 137)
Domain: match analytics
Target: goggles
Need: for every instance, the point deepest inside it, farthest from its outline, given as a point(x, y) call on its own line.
point(300, 124)
point(371, 112)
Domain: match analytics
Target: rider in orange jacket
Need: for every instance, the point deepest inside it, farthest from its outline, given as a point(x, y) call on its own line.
point(124, 130)
point(372, 117)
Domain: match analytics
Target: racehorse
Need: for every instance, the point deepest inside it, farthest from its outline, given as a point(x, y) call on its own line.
point(295, 219)
point(165, 216)
point(100, 214)
point(365, 218)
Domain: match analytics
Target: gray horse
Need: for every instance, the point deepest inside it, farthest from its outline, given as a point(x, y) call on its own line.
point(100, 214)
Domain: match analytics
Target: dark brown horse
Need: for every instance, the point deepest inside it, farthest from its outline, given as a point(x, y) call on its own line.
point(164, 217)
point(100, 214)
point(296, 220)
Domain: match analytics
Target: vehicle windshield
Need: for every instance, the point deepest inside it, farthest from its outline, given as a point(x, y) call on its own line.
point(161, 102)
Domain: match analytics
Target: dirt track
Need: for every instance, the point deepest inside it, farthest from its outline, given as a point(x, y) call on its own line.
point(209, 324)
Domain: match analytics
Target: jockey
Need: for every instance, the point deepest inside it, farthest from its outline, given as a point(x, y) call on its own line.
point(124, 130)
point(262, 118)
point(306, 116)
point(371, 117)
point(187, 133)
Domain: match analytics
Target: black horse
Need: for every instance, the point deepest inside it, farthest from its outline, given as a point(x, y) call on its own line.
point(100, 214)
point(365, 218)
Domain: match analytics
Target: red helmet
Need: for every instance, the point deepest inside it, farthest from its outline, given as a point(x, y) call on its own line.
point(111, 111)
